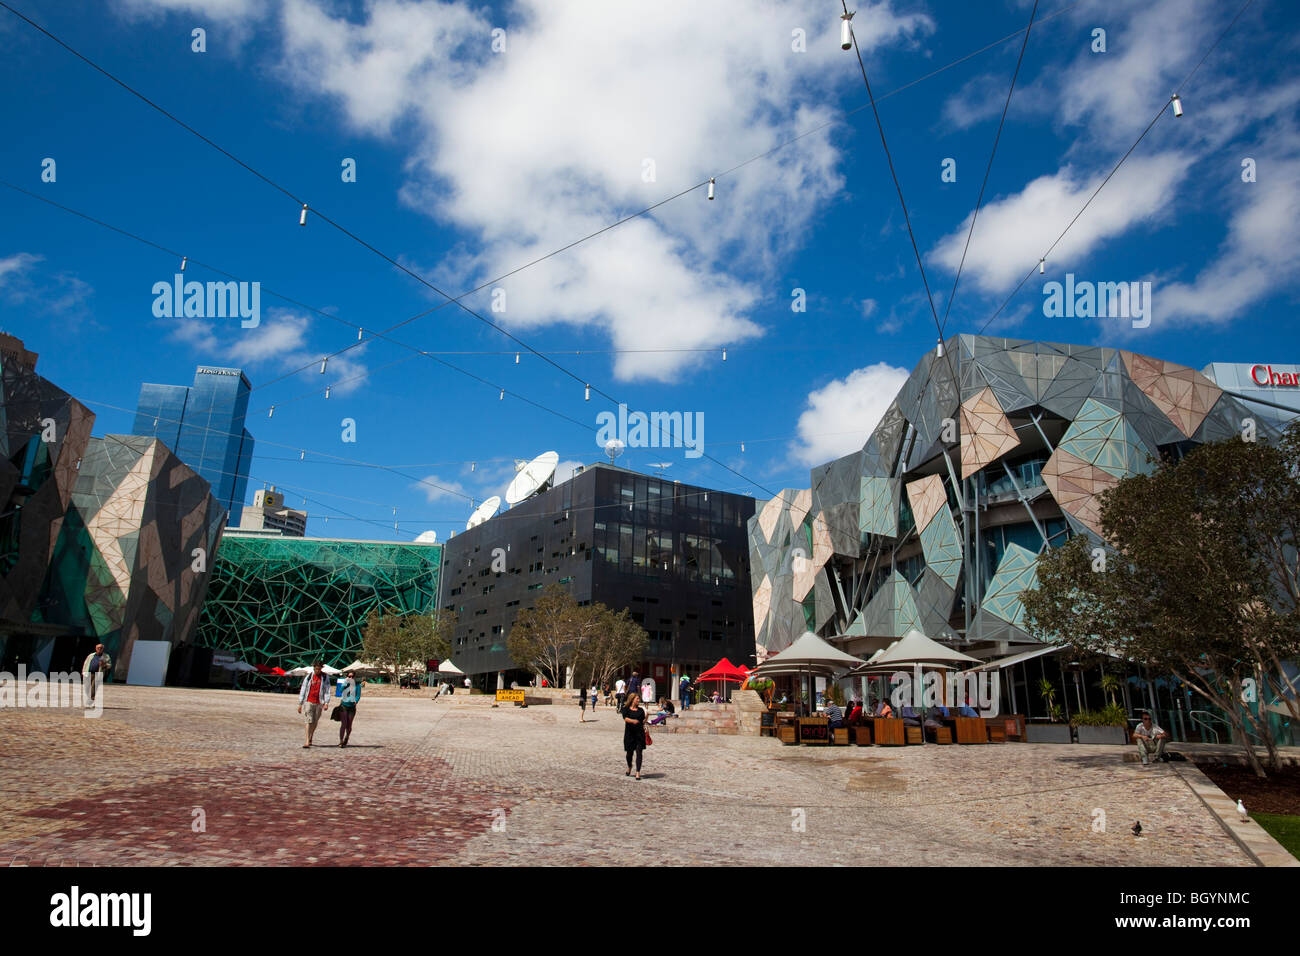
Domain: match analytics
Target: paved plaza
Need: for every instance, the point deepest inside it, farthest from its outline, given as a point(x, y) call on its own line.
point(171, 776)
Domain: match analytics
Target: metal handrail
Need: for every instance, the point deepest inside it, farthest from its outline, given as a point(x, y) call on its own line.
point(1204, 724)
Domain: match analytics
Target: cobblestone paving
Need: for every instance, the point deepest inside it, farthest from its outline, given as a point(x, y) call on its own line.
point(460, 782)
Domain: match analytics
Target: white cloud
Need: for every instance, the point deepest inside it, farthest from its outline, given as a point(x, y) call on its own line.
point(532, 148)
point(224, 10)
point(13, 266)
point(565, 469)
point(437, 489)
point(840, 415)
point(1260, 255)
point(59, 293)
point(1014, 231)
point(279, 342)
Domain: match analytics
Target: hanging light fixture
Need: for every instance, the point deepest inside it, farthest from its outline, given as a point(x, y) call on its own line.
point(587, 396)
point(270, 412)
point(502, 397)
point(473, 465)
point(846, 31)
point(938, 351)
point(323, 363)
point(302, 216)
point(327, 391)
point(184, 260)
point(516, 358)
point(359, 331)
point(1178, 104)
point(724, 353)
point(302, 455)
point(711, 183)
point(742, 447)
point(1042, 267)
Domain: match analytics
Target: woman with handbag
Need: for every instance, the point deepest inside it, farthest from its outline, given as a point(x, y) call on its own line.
point(635, 737)
point(346, 711)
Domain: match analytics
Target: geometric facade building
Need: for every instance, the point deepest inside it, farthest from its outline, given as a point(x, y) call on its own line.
point(43, 437)
point(993, 450)
point(285, 601)
point(204, 425)
point(132, 558)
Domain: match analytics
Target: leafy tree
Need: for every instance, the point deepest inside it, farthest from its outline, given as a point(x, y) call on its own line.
point(620, 642)
point(398, 641)
point(1202, 581)
point(553, 634)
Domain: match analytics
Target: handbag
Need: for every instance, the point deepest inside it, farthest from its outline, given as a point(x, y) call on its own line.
point(336, 713)
point(648, 739)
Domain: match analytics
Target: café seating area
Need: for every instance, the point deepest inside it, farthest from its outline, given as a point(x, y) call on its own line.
point(792, 729)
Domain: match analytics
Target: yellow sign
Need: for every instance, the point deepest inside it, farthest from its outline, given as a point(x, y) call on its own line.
point(517, 696)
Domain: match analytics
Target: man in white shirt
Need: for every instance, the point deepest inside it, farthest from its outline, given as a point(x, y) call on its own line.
point(620, 692)
point(1150, 738)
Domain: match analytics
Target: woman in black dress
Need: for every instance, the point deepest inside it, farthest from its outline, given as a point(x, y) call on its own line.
point(633, 732)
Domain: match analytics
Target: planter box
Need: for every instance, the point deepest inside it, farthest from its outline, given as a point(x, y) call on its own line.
point(1103, 735)
point(1048, 734)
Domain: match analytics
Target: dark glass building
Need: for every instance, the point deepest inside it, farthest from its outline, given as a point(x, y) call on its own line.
point(674, 554)
point(204, 425)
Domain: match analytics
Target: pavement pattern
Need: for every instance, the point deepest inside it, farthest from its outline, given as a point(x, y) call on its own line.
point(172, 776)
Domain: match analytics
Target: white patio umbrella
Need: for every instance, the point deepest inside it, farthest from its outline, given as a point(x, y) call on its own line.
point(362, 667)
point(447, 667)
point(810, 655)
point(240, 666)
point(305, 670)
point(914, 649)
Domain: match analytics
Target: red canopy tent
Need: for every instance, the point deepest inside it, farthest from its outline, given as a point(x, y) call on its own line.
point(724, 670)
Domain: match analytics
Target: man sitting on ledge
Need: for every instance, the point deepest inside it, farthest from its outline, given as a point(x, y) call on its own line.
point(910, 717)
point(1150, 738)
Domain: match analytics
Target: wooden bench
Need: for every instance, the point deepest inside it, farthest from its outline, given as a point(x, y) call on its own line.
point(971, 730)
point(840, 736)
point(888, 731)
point(913, 734)
point(943, 735)
point(862, 735)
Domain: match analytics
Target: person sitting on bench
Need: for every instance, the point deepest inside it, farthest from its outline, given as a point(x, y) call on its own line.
point(855, 713)
point(884, 710)
point(932, 722)
point(666, 710)
point(1150, 738)
point(910, 717)
point(835, 714)
point(967, 710)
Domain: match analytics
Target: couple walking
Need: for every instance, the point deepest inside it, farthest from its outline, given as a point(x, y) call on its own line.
point(314, 698)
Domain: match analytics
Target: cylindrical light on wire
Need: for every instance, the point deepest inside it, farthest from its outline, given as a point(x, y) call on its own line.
point(724, 353)
point(302, 216)
point(359, 332)
point(938, 351)
point(323, 363)
point(270, 412)
point(1178, 104)
point(184, 261)
point(516, 358)
point(846, 31)
point(711, 184)
point(502, 396)
point(1042, 267)
point(327, 391)
point(587, 395)
point(302, 456)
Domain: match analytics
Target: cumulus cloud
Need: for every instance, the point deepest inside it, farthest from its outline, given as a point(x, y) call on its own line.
point(840, 415)
point(278, 343)
point(24, 288)
point(1014, 231)
point(224, 10)
point(555, 137)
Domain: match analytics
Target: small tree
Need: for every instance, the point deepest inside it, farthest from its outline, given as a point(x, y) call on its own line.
point(1203, 581)
point(620, 642)
point(399, 641)
point(554, 634)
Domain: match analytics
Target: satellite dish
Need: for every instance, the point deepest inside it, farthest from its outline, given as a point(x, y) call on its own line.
point(661, 465)
point(533, 477)
point(614, 448)
point(427, 537)
point(484, 511)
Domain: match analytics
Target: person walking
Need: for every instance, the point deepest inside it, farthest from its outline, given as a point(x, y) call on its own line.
point(314, 694)
point(582, 706)
point(633, 732)
point(348, 707)
point(594, 694)
point(620, 693)
point(684, 692)
point(95, 664)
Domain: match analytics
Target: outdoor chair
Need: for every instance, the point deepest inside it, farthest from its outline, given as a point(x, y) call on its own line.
point(913, 734)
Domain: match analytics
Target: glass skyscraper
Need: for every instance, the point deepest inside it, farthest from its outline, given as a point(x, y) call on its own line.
point(204, 425)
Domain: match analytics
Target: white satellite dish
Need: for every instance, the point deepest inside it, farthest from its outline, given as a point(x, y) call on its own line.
point(427, 537)
point(613, 448)
point(533, 477)
point(484, 511)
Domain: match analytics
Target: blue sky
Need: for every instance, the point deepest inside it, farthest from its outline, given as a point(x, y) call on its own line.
point(472, 162)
